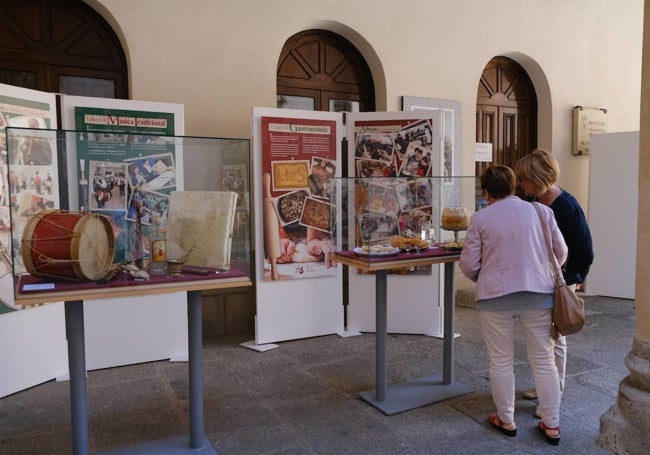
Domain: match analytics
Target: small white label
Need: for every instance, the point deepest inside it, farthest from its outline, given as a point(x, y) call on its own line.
point(483, 152)
point(38, 286)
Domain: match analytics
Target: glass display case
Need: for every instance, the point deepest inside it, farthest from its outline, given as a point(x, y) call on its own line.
point(383, 217)
point(84, 209)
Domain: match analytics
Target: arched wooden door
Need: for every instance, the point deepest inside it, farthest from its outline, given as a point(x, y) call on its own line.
point(60, 46)
point(506, 113)
point(322, 71)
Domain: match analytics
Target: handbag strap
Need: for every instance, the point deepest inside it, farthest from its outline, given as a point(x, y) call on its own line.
point(551, 255)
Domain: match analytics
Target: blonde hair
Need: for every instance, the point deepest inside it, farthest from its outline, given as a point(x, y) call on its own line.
point(538, 167)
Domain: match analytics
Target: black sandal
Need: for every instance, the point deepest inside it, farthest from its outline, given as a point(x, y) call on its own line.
point(496, 422)
point(554, 438)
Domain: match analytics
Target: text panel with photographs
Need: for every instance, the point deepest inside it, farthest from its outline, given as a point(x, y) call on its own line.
point(127, 165)
point(298, 158)
point(112, 153)
point(299, 288)
point(393, 153)
point(390, 208)
point(31, 178)
point(42, 355)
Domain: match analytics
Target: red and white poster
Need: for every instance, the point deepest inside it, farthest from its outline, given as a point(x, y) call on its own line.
point(298, 159)
point(299, 289)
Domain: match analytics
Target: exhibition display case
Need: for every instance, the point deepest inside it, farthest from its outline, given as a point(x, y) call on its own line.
point(93, 211)
point(385, 217)
point(399, 225)
point(107, 213)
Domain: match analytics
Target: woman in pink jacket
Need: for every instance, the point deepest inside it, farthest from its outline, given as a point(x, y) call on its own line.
point(506, 255)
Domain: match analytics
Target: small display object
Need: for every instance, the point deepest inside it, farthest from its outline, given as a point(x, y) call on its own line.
point(107, 208)
point(200, 228)
point(68, 245)
point(382, 217)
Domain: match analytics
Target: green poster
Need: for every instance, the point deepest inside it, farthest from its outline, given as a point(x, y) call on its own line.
point(126, 162)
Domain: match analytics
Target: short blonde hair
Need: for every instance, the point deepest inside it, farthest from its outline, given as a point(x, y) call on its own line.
point(538, 167)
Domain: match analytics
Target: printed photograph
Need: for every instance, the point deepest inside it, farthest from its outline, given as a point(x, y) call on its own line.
point(321, 171)
point(419, 132)
point(416, 162)
point(290, 175)
point(374, 146)
point(316, 214)
point(289, 206)
point(39, 180)
point(382, 199)
point(31, 204)
point(152, 173)
point(411, 222)
point(234, 177)
point(148, 204)
point(31, 147)
point(373, 168)
point(414, 194)
point(107, 186)
point(375, 227)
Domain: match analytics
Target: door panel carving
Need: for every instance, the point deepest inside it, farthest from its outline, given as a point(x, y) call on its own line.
point(506, 113)
point(52, 38)
point(325, 66)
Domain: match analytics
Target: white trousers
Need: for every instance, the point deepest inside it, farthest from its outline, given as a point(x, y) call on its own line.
point(499, 334)
point(560, 354)
point(560, 359)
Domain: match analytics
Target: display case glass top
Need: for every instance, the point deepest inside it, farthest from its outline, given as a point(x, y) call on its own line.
point(403, 218)
point(86, 211)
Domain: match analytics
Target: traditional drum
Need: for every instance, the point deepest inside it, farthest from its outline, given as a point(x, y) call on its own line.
point(68, 246)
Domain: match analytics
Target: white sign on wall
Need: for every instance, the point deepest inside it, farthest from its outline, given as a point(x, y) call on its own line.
point(587, 121)
point(483, 152)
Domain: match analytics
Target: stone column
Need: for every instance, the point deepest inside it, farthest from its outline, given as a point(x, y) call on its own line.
point(625, 427)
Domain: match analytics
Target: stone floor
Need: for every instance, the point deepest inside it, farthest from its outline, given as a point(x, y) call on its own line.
point(302, 397)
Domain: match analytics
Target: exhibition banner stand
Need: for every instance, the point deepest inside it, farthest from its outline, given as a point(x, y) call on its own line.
point(613, 157)
point(103, 126)
point(299, 288)
point(407, 145)
point(297, 297)
point(26, 361)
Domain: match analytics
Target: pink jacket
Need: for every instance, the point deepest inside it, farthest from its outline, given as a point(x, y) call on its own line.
point(505, 250)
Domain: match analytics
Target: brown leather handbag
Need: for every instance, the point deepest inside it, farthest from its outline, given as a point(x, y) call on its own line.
point(568, 309)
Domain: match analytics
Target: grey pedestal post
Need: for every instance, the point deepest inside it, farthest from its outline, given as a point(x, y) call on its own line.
point(422, 391)
point(198, 444)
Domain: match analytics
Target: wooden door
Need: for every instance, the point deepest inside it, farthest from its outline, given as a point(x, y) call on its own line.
point(60, 46)
point(506, 113)
point(322, 71)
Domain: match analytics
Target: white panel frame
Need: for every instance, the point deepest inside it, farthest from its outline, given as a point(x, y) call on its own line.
point(614, 157)
point(298, 308)
point(156, 325)
point(409, 311)
point(34, 347)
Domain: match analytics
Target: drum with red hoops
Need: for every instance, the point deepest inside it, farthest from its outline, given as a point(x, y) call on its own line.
point(68, 246)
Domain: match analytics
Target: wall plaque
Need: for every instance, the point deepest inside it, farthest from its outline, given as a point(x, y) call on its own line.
point(587, 121)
